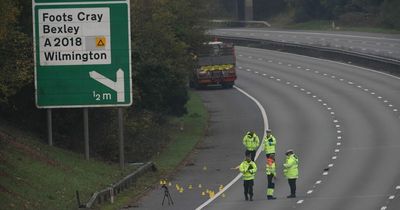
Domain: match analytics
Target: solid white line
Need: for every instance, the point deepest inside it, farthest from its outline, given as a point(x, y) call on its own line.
point(266, 126)
point(330, 61)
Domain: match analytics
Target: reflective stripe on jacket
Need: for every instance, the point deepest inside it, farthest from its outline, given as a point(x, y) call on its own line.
point(248, 169)
point(251, 142)
point(271, 168)
point(269, 144)
point(291, 167)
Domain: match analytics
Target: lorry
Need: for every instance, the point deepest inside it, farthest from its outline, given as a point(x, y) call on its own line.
point(215, 65)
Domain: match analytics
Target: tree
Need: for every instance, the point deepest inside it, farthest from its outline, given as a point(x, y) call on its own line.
point(390, 13)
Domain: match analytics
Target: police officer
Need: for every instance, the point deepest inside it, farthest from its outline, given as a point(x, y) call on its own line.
point(251, 142)
point(291, 171)
point(269, 144)
point(248, 169)
point(271, 175)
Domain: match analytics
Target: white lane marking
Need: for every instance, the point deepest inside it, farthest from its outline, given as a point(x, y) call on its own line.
point(350, 83)
point(278, 80)
point(330, 165)
point(310, 191)
point(336, 121)
point(339, 137)
point(264, 74)
point(398, 187)
point(395, 110)
point(334, 157)
point(279, 63)
point(300, 201)
point(390, 105)
point(383, 207)
point(325, 173)
point(266, 126)
point(288, 83)
point(308, 93)
point(248, 70)
point(338, 144)
point(337, 150)
point(353, 66)
point(256, 72)
point(307, 69)
point(240, 67)
point(289, 65)
point(318, 182)
point(391, 197)
point(337, 126)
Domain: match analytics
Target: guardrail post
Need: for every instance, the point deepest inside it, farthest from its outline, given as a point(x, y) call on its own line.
point(111, 195)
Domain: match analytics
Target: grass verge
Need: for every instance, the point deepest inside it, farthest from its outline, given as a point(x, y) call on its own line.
point(189, 129)
point(36, 176)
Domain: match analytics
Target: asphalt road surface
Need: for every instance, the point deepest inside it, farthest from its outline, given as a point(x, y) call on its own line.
point(342, 121)
point(381, 45)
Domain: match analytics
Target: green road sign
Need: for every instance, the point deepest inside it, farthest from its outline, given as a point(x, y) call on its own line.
point(82, 53)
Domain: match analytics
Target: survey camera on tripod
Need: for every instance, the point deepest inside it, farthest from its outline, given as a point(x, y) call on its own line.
point(166, 195)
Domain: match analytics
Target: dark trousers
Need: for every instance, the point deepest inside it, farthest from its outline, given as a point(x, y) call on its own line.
point(292, 185)
point(271, 184)
point(248, 188)
point(252, 154)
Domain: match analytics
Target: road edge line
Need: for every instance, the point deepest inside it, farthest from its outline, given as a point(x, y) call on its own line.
point(266, 126)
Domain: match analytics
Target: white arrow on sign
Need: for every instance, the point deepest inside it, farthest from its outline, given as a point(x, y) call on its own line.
point(117, 86)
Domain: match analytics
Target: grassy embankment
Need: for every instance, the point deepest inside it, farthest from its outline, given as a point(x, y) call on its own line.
point(36, 176)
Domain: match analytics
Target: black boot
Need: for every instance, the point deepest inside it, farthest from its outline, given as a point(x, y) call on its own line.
point(245, 197)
